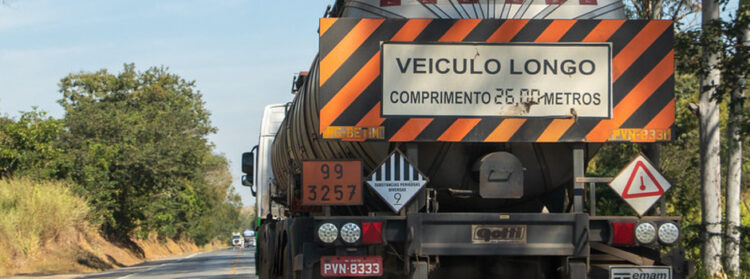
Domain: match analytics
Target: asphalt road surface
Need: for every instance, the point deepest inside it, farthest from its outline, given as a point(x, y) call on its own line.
point(228, 263)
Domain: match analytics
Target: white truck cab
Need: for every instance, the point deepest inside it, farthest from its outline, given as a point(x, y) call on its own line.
point(259, 174)
point(237, 240)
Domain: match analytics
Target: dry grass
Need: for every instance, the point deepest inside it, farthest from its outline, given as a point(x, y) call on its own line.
point(33, 213)
point(43, 230)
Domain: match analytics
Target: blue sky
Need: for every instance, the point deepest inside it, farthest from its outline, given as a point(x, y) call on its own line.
point(242, 54)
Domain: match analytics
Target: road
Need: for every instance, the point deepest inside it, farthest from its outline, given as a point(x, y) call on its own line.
point(228, 263)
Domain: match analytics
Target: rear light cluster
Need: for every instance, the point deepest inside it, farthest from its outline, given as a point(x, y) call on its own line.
point(644, 233)
point(351, 233)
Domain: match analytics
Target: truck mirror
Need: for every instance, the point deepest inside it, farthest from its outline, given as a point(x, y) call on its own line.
point(248, 181)
point(248, 163)
point(248, 167)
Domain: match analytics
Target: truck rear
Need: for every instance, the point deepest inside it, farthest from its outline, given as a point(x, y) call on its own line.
point(444, 139)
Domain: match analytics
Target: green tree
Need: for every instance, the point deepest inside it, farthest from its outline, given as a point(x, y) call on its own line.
point(136, 138)
point(133, 143)
point(202, 210)
point(735, 69)
point(29, 146)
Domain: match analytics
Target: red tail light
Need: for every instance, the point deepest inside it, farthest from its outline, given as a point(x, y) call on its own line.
point(386, 3)
point(372, 232)
point(622, 233)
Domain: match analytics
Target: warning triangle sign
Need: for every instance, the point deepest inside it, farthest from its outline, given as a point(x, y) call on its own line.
point(645, 183)
point(640, 184)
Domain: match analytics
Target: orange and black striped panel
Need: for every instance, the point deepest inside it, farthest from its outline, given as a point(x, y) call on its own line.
point(350, 85)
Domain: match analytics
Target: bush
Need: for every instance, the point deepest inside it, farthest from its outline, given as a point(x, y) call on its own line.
point(33, 212)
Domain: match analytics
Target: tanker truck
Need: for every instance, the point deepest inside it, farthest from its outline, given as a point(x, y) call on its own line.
point(449, 139)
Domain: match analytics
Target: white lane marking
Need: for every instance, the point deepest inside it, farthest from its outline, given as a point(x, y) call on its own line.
point(158, 266)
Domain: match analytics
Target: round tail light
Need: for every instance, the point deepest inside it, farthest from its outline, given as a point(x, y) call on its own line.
point(668, 233)
point(350, 232)
point(328, 232)
point(645, 233)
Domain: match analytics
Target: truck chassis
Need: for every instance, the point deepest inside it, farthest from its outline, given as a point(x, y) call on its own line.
point(576, 244)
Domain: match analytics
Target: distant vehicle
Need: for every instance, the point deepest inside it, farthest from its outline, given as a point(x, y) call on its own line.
point(249, 238)
point(237, 240)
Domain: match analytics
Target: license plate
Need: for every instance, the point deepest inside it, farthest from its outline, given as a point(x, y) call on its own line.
point(498, 234)
point(332, 266)
point(628, 272)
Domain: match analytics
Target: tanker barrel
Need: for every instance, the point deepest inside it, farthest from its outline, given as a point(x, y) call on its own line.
point(450, 166)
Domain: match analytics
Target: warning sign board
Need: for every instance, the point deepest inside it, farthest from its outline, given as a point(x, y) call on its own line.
point(640, 184)
point(497, 79)
point(396, 180)
point(363, 61)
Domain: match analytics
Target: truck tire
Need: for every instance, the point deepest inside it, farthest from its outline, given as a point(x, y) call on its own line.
point(263, 259)
point(288, 265)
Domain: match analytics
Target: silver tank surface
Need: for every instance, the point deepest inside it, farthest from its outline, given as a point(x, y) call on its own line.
point(501, 9)
point(547, 166)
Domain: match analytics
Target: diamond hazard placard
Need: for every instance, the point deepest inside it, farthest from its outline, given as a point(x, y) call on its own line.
point(396, 180)
point(640, 184)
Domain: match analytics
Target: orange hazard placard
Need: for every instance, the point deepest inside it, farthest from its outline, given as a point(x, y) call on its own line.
point(331, 182)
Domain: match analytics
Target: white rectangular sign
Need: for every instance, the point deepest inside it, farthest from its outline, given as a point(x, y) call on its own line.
point(638, 272)
point(487, 79)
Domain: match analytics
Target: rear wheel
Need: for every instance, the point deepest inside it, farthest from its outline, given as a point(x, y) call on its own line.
point(263, 260)
point(288, 266)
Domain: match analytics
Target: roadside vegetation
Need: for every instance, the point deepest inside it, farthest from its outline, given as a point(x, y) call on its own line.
point(696, 84)
point(45, 229)
point(679, 160)
point(129, 161)
point(34, 212)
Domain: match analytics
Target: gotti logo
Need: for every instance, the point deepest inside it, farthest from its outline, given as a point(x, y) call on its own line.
point(498, 233)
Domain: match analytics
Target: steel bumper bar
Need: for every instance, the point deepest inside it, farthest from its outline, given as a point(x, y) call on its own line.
point(451, 234)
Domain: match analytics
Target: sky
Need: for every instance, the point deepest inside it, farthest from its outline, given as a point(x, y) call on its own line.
point(242, 54)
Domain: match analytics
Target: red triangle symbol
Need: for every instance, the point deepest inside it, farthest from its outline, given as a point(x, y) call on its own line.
point(626, 194)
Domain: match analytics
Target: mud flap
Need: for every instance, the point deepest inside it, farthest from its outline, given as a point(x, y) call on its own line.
point(419, 270)
point(577, 270)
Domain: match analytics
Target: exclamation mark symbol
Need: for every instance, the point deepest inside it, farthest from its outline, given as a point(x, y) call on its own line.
point(643, 186)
